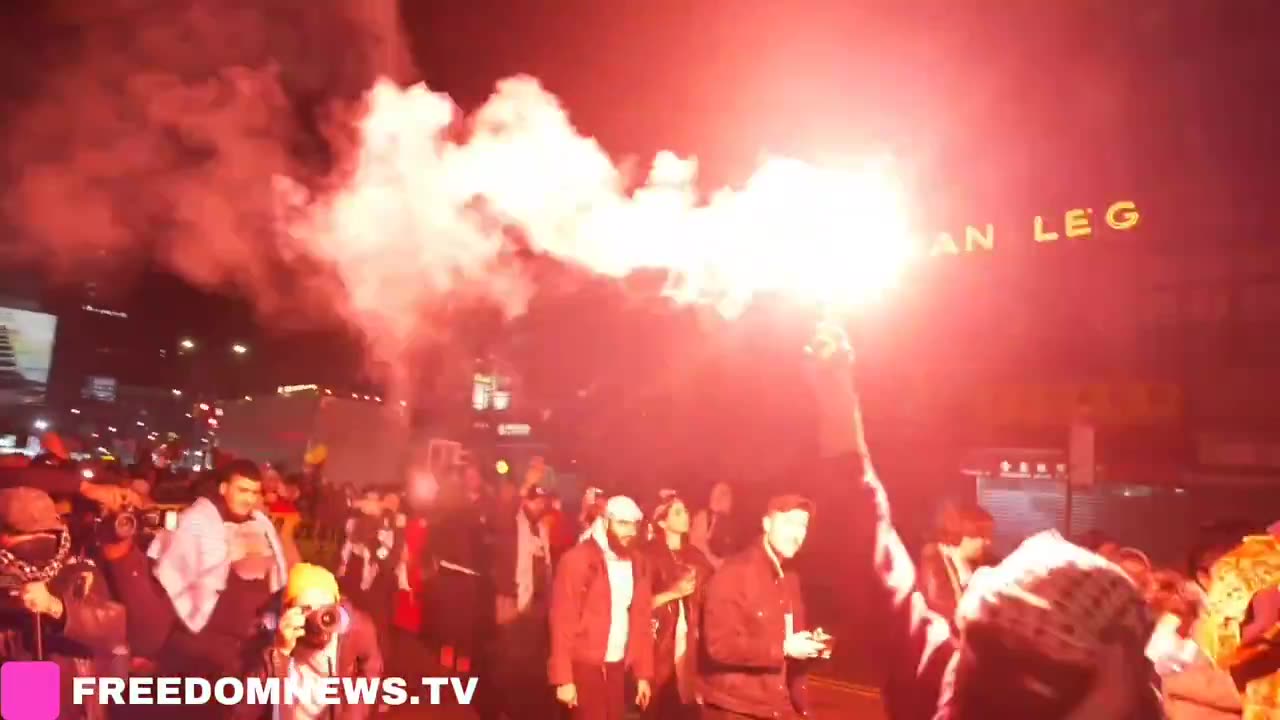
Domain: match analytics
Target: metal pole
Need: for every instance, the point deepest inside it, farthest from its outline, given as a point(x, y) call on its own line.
point(39, 639)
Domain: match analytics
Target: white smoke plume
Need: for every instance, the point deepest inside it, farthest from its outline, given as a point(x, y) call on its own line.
point(426, 209)
point(176, 131)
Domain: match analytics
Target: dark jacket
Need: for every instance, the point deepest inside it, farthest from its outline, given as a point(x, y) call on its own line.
point(358, 657)
point(1264, 613)
point(581, 614)
point(743, 666)
point(935, 582)
point(913, 645)
point(156, 633)
point(503, 546)
point(87, 641)
point(150, 617)
point(504, 550)
point(460, 537)
point(668, 567)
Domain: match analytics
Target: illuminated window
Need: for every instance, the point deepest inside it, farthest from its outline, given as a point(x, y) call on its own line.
point(488, 393)
point(481, 393)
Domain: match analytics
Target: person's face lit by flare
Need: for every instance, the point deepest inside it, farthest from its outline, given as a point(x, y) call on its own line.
point(785, 532)
point(241, 495)
point(622, 535)
point(536, 506)
point(974, 548)
point(677, 519)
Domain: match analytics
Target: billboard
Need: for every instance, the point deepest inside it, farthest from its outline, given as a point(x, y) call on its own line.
point(26, 352)
point(99, 389)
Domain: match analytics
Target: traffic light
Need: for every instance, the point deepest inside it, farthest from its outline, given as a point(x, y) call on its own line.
point(502, 467)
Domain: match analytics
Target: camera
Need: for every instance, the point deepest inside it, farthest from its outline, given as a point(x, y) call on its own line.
point(323, 621)
point(116, 526)
point(127, 523)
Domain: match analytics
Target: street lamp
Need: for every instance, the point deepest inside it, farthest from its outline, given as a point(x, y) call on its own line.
point(187, 344)
point(176, 392)
point(240, 348)
point(41, 424)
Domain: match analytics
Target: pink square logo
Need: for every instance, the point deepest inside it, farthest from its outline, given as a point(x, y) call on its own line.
point(30, 691)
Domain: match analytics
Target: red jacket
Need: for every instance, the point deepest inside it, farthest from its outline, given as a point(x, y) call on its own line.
point(407, 614)
point(581, 613)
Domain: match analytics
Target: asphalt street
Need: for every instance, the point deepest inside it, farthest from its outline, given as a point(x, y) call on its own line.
point(831, 699)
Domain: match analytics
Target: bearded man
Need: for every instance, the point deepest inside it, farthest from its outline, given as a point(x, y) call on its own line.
point(600, 610)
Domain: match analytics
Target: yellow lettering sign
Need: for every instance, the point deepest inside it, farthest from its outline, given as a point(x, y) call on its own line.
point(975, 238)
point(944, 244)
point(1077, 223)
point(1040, 234)
point(1122, 215)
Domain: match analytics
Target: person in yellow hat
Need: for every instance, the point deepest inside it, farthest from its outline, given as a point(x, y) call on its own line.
point(318, 635)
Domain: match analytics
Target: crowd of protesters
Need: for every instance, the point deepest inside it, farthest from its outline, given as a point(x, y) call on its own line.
point(657, 604)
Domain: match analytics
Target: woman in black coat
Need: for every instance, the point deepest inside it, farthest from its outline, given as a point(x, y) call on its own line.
point(680, 573)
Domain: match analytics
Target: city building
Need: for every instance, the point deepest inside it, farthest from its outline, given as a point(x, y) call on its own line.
point(1156, 340)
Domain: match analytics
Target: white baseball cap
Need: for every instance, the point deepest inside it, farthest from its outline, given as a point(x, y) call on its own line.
point(621, 507)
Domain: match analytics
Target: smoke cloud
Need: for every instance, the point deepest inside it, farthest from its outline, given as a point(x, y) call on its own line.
point(157, 131)
point(237, 144)
point(431, 203)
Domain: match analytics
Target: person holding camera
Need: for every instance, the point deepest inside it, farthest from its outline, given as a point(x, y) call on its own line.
point(317, 635)
point(54, 606)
